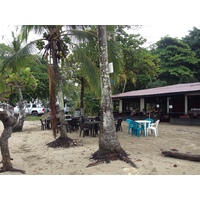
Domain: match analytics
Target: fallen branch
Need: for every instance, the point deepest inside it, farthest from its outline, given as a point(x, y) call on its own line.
point(184, 156)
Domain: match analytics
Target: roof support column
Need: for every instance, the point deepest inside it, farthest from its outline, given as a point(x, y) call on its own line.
point(186, 104)
point(168, 103)
point(141, 104)
point(120, 106)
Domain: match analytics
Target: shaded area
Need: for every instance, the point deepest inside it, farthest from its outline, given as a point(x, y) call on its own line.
point(64, 143)
point(107, 157)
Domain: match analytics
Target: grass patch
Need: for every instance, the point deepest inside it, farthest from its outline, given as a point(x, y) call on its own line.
point(33, 118)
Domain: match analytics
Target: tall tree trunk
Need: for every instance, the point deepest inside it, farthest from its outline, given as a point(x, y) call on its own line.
point(21, 116)
point(8, 119)
point(108, 140)
point(82, 96)
point(6, 134)
point(58, 80)
point(109, 146)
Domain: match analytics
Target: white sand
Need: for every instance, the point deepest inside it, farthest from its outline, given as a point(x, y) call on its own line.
point(30, 153)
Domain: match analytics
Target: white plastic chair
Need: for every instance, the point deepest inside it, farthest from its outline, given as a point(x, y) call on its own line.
point(153, 127)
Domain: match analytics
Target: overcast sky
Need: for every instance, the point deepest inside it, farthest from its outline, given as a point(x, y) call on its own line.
point(154, 32)
point(151, 32)
point(159, 17)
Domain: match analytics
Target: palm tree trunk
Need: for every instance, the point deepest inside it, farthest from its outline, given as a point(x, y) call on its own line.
point(63, 130)
point(109, 146)
point(108, 140)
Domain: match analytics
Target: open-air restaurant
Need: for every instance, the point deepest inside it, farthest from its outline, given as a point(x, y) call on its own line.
point(90, 125)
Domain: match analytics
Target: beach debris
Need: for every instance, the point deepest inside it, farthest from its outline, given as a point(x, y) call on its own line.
point(184, 156)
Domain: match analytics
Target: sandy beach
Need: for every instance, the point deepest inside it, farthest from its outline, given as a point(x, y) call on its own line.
point(30, 152)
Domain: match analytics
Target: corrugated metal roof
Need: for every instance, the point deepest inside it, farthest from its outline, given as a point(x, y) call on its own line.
point(170, 89)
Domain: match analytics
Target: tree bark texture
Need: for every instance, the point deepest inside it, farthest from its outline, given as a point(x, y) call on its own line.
point(8, 121)
point(184, 156)
point(58, 80)
point(81, 96)
point(19, 125)
point(108, 140)
point(21, 115)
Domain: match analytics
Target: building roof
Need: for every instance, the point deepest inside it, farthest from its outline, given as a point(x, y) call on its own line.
point(160, 91)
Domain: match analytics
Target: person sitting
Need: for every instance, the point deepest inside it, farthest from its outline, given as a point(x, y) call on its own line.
point(133, 112)
point(155, 112)
point(143, 112)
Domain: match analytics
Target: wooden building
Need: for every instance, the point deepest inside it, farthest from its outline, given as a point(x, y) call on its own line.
point(177, 104)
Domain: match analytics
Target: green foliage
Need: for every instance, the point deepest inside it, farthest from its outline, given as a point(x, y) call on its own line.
point(156, 83)
point(39, 71)
point(5, 51)
point(139, 65)
point(87, 61)
point(193, 40)
point(91, 104)
point(177, 61)
point(13, 81)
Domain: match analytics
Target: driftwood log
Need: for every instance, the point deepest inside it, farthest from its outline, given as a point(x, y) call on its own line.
point(185, 156)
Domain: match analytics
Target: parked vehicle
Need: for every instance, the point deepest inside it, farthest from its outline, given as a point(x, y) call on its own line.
point(31, 109)
point(67, 108)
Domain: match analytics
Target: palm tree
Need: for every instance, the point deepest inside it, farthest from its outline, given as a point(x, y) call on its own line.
point(10, 121)
point(14, 64)
point(87, 57)
point(57, 47)
point(109, 146)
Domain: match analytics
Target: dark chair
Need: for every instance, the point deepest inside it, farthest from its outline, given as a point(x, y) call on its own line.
point(97, 118)
point(118, 125)
point(75, 124)
point(83, 127)
point(48, 122)
point(43, 124)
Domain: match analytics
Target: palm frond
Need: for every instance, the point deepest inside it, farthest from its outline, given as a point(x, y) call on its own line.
point(91, 71)
point(21, 57)
point(26, 29)
point(79, 36)
point(2, 86)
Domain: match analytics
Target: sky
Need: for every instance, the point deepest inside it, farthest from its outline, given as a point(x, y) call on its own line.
point(158, 17)
point(151, 32)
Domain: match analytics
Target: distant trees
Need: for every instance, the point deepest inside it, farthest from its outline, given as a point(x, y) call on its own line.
point(178, 62)
point(193, 41)
point(140, 66)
